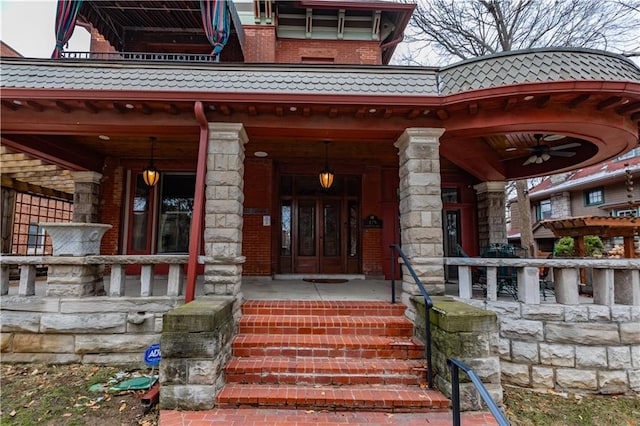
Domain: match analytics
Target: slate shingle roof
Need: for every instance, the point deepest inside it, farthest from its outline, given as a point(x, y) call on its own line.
point(485, 72)
point(217, 78)
point(535, 66)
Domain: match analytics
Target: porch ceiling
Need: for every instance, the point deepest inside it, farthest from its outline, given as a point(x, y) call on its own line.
point(68, 129)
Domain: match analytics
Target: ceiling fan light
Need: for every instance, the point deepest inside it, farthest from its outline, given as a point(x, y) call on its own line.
point(545, 156)
point(530, 160)
point(539, 160)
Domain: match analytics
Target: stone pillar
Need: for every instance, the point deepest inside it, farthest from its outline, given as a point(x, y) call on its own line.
point(421, 211)
point(224, 201)
point(86, 197)
point(469, 334)
point(492, 224)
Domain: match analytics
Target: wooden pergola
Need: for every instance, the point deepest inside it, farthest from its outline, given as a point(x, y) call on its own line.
point(602, 226)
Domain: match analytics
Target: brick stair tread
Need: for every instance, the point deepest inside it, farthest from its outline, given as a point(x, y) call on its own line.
point(313, 307)
point(315, 365)
point(382, 397)
point(321, 324)
point(324, 341)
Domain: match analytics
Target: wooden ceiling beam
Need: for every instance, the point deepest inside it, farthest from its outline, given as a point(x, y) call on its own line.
point(63, 107)
point(22, 186)
point(473, 108)
point(578, 100)
point(630, 107)
point(610, 101)
point(413, 113)
point(442, 114)
point(360, 112)
point(173, 109)
point(36, 105)
point(10, 105)
point(508, 104)
point(543, 101)
point(91, 107)
point(387, 112)
point(252, 110)
point(333, 112)
point(146, 109)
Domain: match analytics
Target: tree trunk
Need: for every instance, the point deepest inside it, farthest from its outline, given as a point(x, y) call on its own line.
point(524, 206)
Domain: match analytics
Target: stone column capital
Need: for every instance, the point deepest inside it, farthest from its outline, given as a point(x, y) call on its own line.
point(231, 131)
point(426, 135)
point(496, 186)
point(86, 176)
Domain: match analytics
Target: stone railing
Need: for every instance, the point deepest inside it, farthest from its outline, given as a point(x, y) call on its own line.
point(614, 281)
point(68, 276)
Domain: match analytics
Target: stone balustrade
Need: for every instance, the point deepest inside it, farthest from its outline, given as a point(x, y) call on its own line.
point(614, 281)
point(62, 282)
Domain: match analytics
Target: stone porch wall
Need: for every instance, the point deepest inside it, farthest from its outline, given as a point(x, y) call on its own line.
point(100, 330)
point(576, 348)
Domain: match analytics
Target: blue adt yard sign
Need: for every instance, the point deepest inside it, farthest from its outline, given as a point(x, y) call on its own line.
point(152, 355)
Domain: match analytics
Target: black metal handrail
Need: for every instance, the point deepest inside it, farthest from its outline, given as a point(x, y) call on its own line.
point(395, 248)
point(455, 366)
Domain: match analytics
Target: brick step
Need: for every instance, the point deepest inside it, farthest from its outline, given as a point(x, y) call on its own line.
point(379, 398)
point(325, 371)
point(310, 307)
point(306, 345)
point(320, 324)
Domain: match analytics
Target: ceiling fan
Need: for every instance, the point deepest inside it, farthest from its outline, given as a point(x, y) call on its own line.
point(542, 153)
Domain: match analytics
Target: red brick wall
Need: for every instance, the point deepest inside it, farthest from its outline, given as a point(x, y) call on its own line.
point(292, 51)
point(6, 50)
point(98, 43)
point(256, 238)
point(259, 44)
point(372, 249)
point(262, 46)
point(111, 202)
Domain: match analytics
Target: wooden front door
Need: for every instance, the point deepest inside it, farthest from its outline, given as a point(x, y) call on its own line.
point(320, 232)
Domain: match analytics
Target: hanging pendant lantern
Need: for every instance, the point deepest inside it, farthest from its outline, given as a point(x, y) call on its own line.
point(326, 174)
point(150, 174)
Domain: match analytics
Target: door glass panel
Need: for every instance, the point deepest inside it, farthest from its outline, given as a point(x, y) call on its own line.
point(307, 229)
point(140, 215)
point(176, 208)
point(285, 212)
point(352, 243)
point(331, 228)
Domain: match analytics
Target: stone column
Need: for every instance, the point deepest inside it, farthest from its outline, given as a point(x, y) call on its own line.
point(224, 201)
point(492, 227)
point(421, 211)
point(86, 197)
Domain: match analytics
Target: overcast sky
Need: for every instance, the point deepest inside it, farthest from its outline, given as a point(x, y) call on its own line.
point(28, 27)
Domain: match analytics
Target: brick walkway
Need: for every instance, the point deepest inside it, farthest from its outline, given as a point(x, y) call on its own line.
point(284, 417)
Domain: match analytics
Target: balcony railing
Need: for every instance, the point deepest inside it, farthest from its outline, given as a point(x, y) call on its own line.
point(614, 281)
point(139, 56)
point(118, 278)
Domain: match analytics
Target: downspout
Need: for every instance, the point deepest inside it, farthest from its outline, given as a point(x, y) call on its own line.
point(198, 203)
